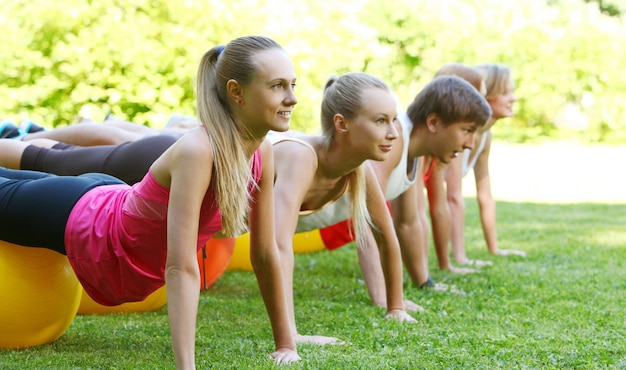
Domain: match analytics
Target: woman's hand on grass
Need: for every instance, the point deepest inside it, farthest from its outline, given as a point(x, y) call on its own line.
point(461, 270)
point(318, 339)
point(412, 306)
point(510, 252)
point(475, 263)
point(399, 315)
point(285, 356)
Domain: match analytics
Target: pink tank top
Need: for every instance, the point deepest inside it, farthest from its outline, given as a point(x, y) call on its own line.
point(116, 237)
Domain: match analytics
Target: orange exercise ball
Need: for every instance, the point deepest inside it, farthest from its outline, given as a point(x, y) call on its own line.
point(213, 258)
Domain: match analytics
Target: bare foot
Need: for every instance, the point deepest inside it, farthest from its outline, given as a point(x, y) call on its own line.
point(318, 339)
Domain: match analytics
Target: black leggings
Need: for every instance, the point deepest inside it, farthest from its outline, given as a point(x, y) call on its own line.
point(35, 206)
point(128, 162)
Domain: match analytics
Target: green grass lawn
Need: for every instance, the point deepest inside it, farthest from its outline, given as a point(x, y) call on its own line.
point(561, 307)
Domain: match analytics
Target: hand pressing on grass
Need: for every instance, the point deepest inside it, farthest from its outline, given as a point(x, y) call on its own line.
point(408, 305)
point(475, 263)
point(399, 315)
point(285, 356)
point(461, 270)
point(510, 252)
point(412, 306)
point(318, 339)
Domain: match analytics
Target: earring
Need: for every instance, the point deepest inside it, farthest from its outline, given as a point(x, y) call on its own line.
point(239, 101)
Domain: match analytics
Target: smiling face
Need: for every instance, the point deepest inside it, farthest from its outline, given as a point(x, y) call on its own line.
point(372, 131)
point(502, 103)
point(267, 101)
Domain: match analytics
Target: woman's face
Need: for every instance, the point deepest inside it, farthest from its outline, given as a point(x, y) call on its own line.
point(502, 104)
point(267, 102)
point(372, 131)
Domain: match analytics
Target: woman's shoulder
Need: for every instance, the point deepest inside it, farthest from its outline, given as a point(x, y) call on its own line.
point(300, 145)
point(192, 151)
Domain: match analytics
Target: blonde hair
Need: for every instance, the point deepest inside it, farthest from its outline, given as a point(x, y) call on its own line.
point(498, 79)
point(344, 95)
point(231, 172)
point(470, 74)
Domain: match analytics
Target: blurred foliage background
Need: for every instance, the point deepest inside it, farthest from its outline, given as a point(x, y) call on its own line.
point(137, 58)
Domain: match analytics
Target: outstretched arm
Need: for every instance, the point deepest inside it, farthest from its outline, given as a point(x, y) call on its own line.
point(389, 249)
point(187, 171)
point(486, 203)
point(266, 263)
point(291, 184)
point(439, 214)
point(410, 232)
point(454, 180)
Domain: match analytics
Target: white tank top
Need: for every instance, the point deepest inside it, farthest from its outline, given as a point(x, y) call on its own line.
point(331, 213)
point(467, 152)
point(399, 181)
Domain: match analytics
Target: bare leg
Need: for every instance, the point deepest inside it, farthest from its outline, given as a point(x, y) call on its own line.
point(12, 151)
point(43, 143)
point(86, 134)
point(130, 127)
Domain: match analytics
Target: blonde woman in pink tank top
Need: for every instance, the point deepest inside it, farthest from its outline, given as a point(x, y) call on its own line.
point(218, 176)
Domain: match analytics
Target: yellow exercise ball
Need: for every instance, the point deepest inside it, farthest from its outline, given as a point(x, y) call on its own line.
point(153, 302)
point(305, 242)
point(240, 259)
point(308, 242)
point(39, 295)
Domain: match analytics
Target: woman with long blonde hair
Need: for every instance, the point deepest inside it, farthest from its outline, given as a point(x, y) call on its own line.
point(124, 242)
point(314, 172)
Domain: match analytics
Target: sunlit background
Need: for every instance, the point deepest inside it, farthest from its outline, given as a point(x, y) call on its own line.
point(137, 59)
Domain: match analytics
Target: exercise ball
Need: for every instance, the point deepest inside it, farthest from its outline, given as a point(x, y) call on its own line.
point(305, 242)
point(308, 242)
point(39, 295)
point(337, 235)
point(213, 258)
point(240, 259)
point(153, 302)
point(330, 238)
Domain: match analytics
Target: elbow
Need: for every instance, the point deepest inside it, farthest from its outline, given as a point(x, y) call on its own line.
point(182, 273)
point(262, 259)
point(456, 201)
point(484, 200)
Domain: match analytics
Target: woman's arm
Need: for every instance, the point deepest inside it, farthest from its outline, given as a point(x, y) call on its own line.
point(291, 184)
point(369, 257)
point(187, 170)
point(486, 203)
point(266, 263)
point(389, 248)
